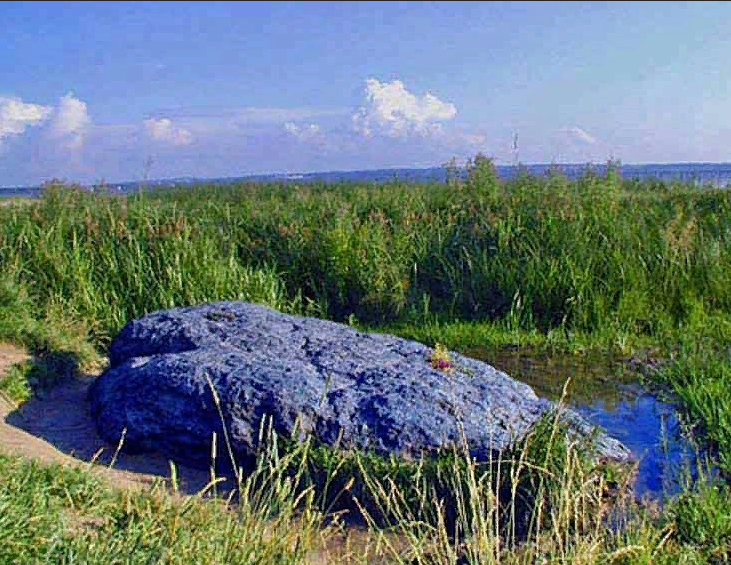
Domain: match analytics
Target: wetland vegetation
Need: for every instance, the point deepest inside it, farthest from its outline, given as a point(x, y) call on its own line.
point(602, 266)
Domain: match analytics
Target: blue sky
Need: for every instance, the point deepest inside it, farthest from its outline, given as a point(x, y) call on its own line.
point(115, 91)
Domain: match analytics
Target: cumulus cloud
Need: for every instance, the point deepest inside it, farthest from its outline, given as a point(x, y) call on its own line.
point(307, 133)
point(164, 130)
point(70, 123)
point(396, 112)
point(16, 116)
point(578, 134)
point(67, 123)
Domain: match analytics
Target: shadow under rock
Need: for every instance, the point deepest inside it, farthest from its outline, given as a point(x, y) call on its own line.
point(60, 416)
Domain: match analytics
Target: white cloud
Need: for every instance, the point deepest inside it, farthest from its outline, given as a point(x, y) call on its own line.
point(307, 133)
point(250, 113)
point(216, 121)
point(16, 116)
point(278, 115)
point(164, 130)
point(70, 123)
point(68, 126)
point(394, 111)
point(578, 134)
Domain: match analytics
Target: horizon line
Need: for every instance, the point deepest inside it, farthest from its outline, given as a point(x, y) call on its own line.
point(336, 171)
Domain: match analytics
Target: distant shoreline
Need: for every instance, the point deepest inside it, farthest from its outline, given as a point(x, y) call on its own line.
point(717, 174)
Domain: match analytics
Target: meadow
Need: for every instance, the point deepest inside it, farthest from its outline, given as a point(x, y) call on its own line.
point(601, 265)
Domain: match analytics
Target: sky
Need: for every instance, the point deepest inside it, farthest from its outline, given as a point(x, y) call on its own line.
point(120, 91)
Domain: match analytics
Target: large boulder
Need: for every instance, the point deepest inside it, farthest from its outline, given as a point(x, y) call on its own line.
point(346, 387)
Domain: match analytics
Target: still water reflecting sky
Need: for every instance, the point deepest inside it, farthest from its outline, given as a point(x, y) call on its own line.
point(608, 395)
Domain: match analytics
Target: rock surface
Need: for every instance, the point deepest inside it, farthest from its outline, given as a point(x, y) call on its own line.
point(364, 390)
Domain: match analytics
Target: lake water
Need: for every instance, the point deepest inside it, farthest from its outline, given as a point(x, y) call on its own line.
point(716, 174)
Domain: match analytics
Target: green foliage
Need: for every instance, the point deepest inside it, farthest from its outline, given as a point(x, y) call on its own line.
point(531, 254)
point(58, 514)
point(700, 381)
point(21, 380)
point(702, 518)
point(14, 383)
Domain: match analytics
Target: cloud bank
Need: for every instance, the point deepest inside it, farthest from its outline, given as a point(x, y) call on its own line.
point(210, 141)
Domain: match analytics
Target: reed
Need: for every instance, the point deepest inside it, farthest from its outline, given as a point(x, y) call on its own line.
point(530, 254)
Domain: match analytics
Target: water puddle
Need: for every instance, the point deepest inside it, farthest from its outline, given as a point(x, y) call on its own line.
point(608, 394)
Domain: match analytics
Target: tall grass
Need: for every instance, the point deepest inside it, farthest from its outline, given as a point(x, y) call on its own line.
point(534, 253)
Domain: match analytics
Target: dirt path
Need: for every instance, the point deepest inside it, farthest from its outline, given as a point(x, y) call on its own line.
point(58, 428)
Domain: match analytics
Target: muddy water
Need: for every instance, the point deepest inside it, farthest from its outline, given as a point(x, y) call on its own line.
point(608, 394)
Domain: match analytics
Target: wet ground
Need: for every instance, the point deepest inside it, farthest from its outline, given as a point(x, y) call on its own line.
point(608, 393)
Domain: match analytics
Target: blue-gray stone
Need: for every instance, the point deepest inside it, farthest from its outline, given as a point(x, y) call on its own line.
point(348, 388)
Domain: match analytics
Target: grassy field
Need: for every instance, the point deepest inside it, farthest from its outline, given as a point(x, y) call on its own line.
point(601, 264)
